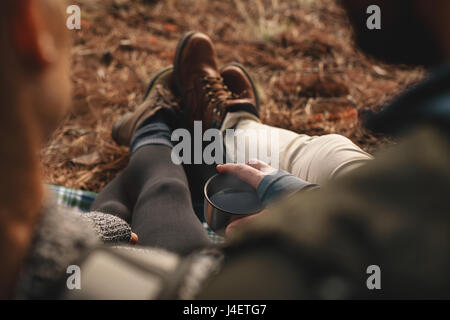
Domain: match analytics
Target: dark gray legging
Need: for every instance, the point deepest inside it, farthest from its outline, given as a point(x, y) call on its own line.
point(152, 194)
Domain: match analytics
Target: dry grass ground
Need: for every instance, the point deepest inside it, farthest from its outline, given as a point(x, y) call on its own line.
point(311, 78)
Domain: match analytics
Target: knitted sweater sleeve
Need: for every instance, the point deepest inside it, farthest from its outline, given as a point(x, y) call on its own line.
point(62, 237)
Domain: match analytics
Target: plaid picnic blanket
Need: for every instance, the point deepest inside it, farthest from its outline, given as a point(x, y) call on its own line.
point(81, 201)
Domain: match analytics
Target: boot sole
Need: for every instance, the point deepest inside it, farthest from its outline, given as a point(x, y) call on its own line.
point(176, 62)
point(116, 127)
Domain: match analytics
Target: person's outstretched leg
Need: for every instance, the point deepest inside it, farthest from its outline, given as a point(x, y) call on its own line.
point(315, 159)
point(152, 193)
point(156, 192)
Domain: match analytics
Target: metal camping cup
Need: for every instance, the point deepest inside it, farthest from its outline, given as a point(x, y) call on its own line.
point(227, 198)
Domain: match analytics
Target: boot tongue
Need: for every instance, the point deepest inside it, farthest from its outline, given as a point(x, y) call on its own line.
point(210, 72)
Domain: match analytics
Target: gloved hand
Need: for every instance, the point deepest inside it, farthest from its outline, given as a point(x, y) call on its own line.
point(111, 229)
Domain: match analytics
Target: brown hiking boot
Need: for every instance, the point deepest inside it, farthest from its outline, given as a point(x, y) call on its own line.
point(197, 79)
point(158, 97)
point(239, 82)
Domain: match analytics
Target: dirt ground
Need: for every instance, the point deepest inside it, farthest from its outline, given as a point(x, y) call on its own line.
point(311, 79)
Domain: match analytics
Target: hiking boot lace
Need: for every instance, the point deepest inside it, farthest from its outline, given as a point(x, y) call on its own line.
point(217, 93)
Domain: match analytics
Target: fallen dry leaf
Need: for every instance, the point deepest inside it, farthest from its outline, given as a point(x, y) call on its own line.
point(87, 159)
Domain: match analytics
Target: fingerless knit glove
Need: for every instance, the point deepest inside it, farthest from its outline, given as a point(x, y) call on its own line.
point(109, 228)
